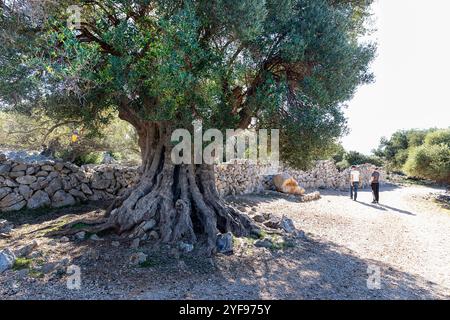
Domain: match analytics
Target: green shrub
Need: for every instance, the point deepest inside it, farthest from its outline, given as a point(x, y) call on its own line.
point(429, 162)
point(89, 158)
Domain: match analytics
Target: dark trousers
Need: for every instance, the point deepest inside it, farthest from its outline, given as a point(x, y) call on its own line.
point(354, 190)
point(376, 191)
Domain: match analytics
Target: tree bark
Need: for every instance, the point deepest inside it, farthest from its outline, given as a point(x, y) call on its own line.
point(182, 199)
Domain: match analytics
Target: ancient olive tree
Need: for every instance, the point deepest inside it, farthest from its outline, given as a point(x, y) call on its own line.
point(161, 64)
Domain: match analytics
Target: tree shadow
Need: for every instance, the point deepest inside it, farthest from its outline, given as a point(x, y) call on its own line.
point(47, 214)
point(311, 270)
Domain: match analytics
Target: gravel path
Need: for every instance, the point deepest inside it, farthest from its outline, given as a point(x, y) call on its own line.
point(406, 238)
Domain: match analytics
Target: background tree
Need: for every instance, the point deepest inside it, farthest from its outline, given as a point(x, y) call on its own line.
point(432, 159)
point(395, 150)
point(161, 64)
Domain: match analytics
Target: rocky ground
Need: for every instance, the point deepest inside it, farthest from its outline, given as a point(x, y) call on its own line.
point(344, 247)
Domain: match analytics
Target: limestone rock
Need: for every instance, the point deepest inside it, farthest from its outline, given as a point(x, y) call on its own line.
point(26, 179)
point(10, 200)
point(85, 188)
point(287, 225)
point(25, 191)
point(7, 259)
point(224, 243)
point(62, 199)
point(138, 258)
point(38, 199)
point(4, 191)
point(54, 185)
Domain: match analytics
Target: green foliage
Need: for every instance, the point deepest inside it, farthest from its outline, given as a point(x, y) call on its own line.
point(118, 138)
point(291, 64)
point(432, 159)
point(22, 263)
point(396, 149)
point(357, 158)
point(89, 158)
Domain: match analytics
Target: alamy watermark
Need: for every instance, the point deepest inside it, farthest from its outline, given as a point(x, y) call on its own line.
point(74, 20)
point(250, 145)
point(374, 278)
point(74, 278)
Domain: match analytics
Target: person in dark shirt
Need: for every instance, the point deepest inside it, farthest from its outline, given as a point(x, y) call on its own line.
point(375, 184)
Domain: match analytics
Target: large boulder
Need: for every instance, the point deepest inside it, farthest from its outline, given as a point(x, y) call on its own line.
point(62, 199)
point(38, 199)
point(286, 184)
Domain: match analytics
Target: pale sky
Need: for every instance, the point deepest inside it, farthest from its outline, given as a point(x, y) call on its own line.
point(412, 70)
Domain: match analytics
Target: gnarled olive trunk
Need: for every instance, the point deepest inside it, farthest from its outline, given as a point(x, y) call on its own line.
point(182, 199)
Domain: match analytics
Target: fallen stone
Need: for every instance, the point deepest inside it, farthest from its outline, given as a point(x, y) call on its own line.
point(259, 218)
point(48, 267)
point(7, 259)
point(80, 235)
point(264, 243)
point(273, 223)
point(148, 225)
point(5, 226)
point(64, 239)
point(95, 237)
point(115, 244)
point(185, 247)
point(27, 250)
point(135, 243)
point(224, 243)
point(287, 225)
point(153, 235)
point(138, 258)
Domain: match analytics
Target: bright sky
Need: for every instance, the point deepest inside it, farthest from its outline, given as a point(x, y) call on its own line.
point(412, 73)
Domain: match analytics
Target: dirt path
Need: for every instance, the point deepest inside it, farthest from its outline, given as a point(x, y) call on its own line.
point(406, 238)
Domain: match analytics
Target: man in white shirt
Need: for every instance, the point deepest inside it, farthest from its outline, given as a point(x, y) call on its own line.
point(355, 180)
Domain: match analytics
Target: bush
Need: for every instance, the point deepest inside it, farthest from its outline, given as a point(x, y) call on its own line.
point(89, 158)
point(431, 160)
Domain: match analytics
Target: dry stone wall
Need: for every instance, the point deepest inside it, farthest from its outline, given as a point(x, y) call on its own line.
point(243, 178)
point(58, 184)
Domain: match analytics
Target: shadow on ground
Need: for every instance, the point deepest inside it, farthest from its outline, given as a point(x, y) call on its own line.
point(312, 270)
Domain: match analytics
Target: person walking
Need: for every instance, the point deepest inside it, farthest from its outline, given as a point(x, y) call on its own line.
point(375, 184)
point(355, 180)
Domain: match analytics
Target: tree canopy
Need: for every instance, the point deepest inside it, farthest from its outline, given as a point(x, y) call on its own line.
point(290, 63)
point(160, 64)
